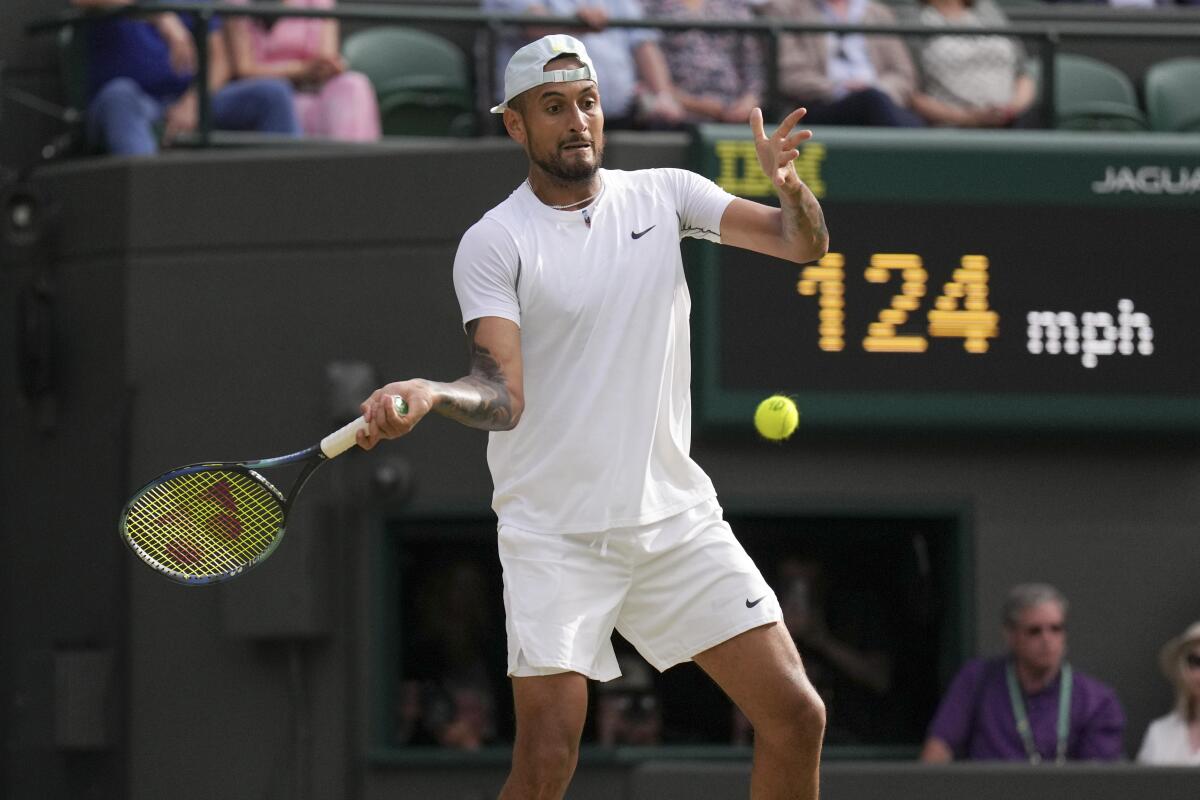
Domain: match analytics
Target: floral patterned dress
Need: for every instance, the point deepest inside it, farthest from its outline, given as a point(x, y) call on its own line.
point(705, 63)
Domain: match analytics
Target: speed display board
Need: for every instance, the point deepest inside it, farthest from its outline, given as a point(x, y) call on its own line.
point(999, 280)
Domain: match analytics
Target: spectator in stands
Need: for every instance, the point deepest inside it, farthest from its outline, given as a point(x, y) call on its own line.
point(142, 72)
point(846, 79)
point(628, 711)
point(717, 76)
point(971, 81)
point(635, 86)
point(448, 697)
point(844, 638)
point(1028, 705)
point(331, 102)
point(1174, 739)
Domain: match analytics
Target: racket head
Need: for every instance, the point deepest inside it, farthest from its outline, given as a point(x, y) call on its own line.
point(204, 523)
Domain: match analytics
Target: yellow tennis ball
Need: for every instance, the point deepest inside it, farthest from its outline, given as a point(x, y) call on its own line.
point(776, 417)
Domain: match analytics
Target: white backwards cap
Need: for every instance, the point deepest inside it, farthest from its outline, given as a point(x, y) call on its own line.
point(525, 68)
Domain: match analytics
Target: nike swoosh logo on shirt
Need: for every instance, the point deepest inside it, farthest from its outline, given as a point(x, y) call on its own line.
point(756, 602)
point(643, 233)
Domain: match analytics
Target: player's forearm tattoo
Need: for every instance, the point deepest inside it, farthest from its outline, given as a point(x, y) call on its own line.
point(481, 399)
point(804, 222)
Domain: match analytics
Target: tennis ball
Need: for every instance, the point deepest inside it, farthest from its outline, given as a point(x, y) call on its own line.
point(776, 417)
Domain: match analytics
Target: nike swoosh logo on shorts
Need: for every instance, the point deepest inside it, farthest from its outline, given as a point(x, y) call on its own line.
point(750, 604)
point(643, 233)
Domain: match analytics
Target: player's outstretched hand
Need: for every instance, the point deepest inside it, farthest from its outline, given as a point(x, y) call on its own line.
point(777, 153)
point(382, 411)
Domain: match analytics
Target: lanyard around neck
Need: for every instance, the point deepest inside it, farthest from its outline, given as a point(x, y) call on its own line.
point(1022, 718)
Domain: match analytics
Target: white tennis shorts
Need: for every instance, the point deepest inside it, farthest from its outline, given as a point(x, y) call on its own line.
point(672, 588)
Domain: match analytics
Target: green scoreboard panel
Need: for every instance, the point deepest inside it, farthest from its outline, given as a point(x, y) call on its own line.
point(975, 280)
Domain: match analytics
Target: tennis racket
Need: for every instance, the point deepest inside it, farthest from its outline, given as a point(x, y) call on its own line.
point(208, 523)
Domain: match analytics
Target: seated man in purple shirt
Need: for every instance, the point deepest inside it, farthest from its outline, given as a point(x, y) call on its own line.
point(141, 72)
point(1029, 705)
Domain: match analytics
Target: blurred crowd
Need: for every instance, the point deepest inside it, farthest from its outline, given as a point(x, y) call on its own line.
point(1028, 703)
point(287, 76)
point(282, 76)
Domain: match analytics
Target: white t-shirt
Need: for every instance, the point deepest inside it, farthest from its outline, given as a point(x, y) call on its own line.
point(603, 307)
point(1167, 742)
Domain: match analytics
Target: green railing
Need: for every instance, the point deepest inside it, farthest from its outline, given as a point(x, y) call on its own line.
point(1044, 38)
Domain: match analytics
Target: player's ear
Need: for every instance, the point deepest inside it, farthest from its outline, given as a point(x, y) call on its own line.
point(514, 123)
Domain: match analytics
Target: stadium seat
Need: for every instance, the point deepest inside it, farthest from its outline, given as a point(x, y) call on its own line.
point(1093, 95)
point(1172, 90)
point(422, 80)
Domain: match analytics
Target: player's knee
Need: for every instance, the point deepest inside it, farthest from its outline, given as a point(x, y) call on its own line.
point(547, 758)
point(806, 708)
point(813, 710)
point(798, 718)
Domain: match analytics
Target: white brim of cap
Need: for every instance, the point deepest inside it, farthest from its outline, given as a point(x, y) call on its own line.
point(584, 73)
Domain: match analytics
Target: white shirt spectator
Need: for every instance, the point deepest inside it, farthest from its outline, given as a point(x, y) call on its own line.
point(1167, 743)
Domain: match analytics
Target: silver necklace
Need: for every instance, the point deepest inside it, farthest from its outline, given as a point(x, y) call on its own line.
point(565, 206)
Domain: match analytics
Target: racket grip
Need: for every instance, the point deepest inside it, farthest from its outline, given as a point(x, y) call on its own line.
point(342, 439)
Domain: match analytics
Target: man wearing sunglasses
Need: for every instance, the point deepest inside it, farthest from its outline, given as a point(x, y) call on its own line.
point(1028, 705)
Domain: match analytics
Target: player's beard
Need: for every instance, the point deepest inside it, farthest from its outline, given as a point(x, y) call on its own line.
point(574, 171)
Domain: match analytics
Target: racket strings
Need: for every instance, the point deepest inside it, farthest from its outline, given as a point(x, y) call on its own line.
point(204, 523)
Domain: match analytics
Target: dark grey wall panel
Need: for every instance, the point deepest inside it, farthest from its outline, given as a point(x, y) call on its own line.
point(483, 783)
point(706, 781)
point(31, 66)
point(353, 196)
point(62, 569)
point(23, 51)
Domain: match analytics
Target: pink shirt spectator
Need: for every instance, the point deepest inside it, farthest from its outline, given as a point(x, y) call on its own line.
point(331, 102)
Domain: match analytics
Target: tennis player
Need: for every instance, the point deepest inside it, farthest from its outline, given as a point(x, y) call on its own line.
point(576, 311)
